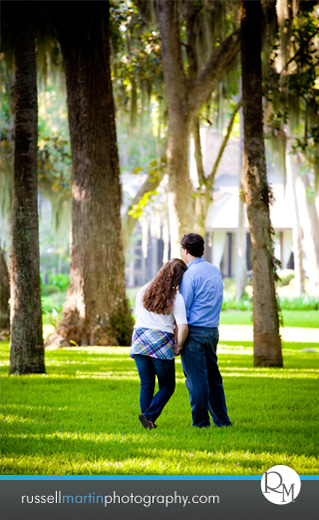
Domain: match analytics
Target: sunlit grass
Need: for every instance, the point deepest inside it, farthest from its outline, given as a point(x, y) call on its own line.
point(82, 417)
point(290, 318)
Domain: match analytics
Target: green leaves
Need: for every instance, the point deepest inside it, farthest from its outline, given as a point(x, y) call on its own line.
point(137, 209)
point(291, 85)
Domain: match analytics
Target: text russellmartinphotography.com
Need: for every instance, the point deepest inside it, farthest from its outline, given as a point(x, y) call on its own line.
point(106, 500)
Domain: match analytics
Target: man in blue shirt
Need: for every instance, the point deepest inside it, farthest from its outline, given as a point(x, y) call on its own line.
point(202, 290)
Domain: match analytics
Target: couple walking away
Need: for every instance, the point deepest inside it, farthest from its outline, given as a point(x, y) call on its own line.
point(178, 313)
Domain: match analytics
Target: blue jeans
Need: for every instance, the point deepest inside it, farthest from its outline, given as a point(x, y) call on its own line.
point(148, 368)
point(203, 380)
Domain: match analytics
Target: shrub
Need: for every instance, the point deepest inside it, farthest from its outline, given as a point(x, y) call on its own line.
point(229, 285)
point(301, 303)
point(48, 290)
point(285, 277)
point(60, 280)
point(53, 302)
point(244, 304)
point(122, 324)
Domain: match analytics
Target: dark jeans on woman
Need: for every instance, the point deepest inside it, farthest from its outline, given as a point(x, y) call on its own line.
point(148, 368)
point(203, 379)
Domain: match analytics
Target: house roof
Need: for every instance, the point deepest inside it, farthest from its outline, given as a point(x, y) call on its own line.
point(223, 213)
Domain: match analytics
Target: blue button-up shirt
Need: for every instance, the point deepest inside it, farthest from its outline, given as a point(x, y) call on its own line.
point(202, 290)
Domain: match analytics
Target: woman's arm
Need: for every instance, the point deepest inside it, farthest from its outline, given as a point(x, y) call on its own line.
point(181, 332)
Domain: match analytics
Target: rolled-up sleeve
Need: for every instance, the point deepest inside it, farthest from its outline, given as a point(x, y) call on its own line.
point(186, 290)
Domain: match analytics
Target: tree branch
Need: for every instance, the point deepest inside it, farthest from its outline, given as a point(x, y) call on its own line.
point(128, 221)
point(211, 177)
point(212, 71)
point(191, 15)
point(304, 43)
point(174, 74)
point(198, 151)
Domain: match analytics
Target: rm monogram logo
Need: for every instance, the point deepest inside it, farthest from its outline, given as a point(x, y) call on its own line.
point(280, 485)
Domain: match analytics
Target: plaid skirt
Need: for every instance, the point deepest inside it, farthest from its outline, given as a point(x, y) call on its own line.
point(154, 343)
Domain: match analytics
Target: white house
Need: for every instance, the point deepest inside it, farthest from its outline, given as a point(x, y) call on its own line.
point(223, 214)
point(149, 246)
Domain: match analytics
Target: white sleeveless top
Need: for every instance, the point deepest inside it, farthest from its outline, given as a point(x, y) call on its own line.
point(165, 322)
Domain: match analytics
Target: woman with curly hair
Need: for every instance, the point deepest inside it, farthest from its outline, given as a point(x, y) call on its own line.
point(160, 318)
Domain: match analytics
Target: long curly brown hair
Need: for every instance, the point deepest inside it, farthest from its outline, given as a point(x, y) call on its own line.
point(160, 294)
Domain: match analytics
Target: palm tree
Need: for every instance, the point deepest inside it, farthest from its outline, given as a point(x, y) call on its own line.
point(267, 343)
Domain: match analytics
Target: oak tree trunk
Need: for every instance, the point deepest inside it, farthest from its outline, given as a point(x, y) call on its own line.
point(4, 295)
point(181, 204)
point(96, 311)
point(179, 125)
point(186, 96)
point(311, 230)
point(267, 343)
point(26, 349)
point(241, 252)
point(241, 240)
point(297, 232)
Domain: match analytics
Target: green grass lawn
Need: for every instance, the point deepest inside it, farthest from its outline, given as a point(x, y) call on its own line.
point(82, 417)
point(309, 319)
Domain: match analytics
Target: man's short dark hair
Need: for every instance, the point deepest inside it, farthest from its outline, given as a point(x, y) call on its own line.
point(194, 244)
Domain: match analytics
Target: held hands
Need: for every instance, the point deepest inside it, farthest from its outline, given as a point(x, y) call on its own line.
point(180, 336)
point(176, 349)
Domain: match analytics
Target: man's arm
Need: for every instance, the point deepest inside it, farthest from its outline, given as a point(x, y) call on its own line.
point(186, 290)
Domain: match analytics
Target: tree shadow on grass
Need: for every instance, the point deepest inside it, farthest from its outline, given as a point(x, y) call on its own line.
point(95, 429)
point(141, 454)
point(82, 418)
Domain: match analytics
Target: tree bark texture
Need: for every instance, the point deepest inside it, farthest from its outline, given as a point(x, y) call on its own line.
point(267, 342)
point(179, 124)
point(96, 311)
point(198, 151)
point(186, 95)
point(297, 232)
point(241, 252)
point(311, 231)
point(26, 349)
point(241, 239)
point(4, 294)
point(307, 221)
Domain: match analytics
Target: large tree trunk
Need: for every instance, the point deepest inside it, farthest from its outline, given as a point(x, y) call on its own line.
point(297, 235)
point(307, 225)
point(96, 311)
point(186, 95)
point(26, 349)
point(179, 125)
point(310, 226)
point(267, 343)
point(241, 252)
point(312, 234)
point(180, 201)
point(4, 295)
point(241, 236)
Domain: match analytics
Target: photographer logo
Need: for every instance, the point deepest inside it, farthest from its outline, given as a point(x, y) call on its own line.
point(280, 485)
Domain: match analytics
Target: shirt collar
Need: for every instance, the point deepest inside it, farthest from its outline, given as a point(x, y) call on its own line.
point(196, 261)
